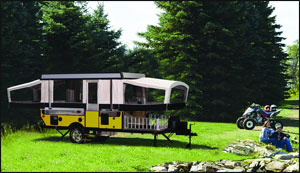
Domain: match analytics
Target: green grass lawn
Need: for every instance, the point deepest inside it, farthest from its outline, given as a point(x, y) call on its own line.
point(33, 151)
point(290, 111)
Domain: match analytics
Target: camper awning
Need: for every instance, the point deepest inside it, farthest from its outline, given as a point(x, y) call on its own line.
point(25, 85)
point(162, 84)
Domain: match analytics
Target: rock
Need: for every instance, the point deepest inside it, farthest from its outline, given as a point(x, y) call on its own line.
point(266, 160)
point(295, 154)
point(262, 165)
point(284, 156)
point(208, 168)
point(254, 164)
point(197, 168)
point(225, 170)
point(196, 163)
point(275, 166)
point(262, 152)
point(172, 168)
point(238, 169)
point(250, 170)
point(292, 168)
point(158, 169)
point(230, 164)
point(183, 167)
point(260, 170)
point(269, 147)
point(182, 170)
point(287, 162)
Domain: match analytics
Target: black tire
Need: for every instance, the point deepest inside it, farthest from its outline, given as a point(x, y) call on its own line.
point(77, 135)
point(239, 122)
point(249, 124)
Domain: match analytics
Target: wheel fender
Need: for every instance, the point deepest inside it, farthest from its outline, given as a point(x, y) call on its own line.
point(73, 125)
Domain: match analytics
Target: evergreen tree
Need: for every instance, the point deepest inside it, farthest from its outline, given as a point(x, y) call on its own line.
point(215, 48)
point(141, 60)
point(105, 52)
point(263, 55)
point(293, 65)
point(21, 49)
point(65, 35)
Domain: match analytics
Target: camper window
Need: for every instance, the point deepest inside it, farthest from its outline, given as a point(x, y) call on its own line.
point(155, 95)
point(92, 93)
point(177, 96)
point(134, 94)
point(27, 94)
point(141, 95)
point(67, 91)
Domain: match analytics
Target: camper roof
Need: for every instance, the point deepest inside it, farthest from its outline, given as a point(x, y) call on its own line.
point(121, 75)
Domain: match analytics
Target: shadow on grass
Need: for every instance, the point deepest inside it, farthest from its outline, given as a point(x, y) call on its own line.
point(289, 121)
point(293, 103)
point(123, 141)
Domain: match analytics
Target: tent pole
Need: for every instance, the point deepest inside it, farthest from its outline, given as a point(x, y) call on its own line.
point(111, 105)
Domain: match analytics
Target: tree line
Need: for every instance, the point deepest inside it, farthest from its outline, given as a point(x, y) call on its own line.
point(229, 53)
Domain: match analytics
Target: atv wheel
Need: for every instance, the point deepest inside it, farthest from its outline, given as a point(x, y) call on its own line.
point(239, 122)
point(77, 135)
point(249, 124)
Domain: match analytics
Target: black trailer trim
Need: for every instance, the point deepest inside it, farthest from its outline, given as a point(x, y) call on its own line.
point(84, 76)
point(120, 107)
point(155, 133)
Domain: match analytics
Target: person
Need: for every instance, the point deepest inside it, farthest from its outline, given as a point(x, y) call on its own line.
point(281, 139)
point(265, 133)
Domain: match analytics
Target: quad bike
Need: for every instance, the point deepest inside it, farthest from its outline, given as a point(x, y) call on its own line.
point(254, 115)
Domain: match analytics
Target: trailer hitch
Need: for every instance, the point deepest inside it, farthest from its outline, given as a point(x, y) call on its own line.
point(190, 136)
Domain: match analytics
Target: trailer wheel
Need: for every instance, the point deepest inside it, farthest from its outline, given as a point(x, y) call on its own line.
point(77, 135)
point(239, 122)
point(249, 124)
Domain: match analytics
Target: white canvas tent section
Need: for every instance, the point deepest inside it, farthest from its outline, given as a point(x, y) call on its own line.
point(22, 86)
point(162, 84)
point(118, 92)
point(47, 91)
point(104, 91)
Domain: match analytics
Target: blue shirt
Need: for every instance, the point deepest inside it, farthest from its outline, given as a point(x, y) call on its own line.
point(264, 134)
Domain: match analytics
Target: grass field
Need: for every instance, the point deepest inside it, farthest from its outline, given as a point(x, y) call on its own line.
point(33, 151)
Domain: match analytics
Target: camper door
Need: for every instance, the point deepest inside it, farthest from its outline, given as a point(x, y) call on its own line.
point(92, 95)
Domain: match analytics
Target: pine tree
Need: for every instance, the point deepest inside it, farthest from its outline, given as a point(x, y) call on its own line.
point(21, 49)
point(105, 52)
point(65, 37)
point(219, 49)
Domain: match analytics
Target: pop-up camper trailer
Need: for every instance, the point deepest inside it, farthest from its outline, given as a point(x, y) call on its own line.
point(100, 102)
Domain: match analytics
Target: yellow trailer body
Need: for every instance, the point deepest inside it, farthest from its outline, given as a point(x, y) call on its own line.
point(91, 119)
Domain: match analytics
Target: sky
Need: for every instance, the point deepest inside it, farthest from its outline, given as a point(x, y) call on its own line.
point(134, 16)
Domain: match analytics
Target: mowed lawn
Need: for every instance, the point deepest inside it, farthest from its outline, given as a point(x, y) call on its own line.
point(32, 151)
point(43, 152)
